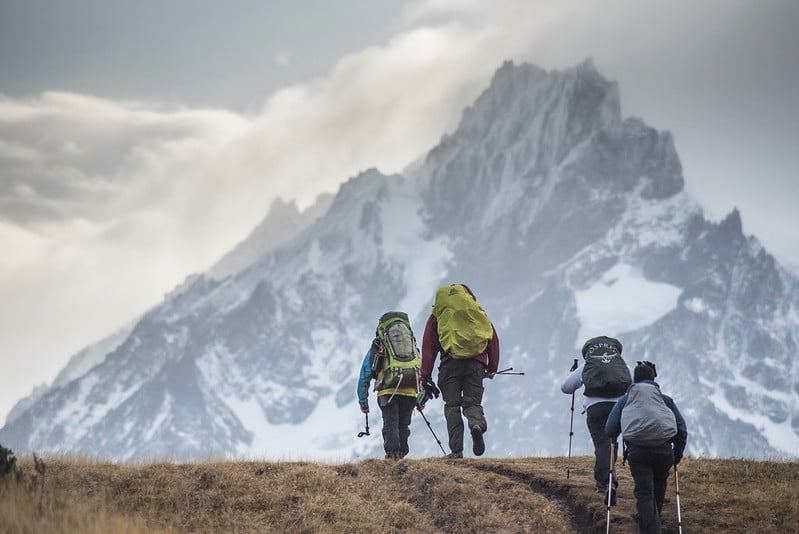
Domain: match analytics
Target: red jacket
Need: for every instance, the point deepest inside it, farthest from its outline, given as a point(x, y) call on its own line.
point(431, 347)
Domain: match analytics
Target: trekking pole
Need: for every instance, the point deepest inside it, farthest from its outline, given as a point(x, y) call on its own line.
point(507, 372)
point(571, 427)
point(365, 432)
point(431, 430)
point(677, 486)
point(610, 483)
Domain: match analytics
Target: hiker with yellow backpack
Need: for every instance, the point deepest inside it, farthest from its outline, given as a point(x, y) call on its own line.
point(459, 330)
point(393, 362)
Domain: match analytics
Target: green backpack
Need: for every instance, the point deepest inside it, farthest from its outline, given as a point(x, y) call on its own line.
point(394, 357)
point(464, 329)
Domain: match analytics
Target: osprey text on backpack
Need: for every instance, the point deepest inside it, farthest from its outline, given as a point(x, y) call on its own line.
point(605, 373)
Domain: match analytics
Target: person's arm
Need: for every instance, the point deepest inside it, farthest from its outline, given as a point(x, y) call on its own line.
point(363, 383)
point(493, 354)
point(613, 424)
point(679, 441)
point(573, 382)
point(430, 346)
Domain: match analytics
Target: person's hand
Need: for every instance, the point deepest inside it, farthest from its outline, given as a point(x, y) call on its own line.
point(365, 409)
point(490, 375)
point(430, 387)
point(677, 457)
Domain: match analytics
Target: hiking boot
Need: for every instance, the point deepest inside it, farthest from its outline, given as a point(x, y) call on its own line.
point(455, 455)
point(478, 443)
point(394, 455)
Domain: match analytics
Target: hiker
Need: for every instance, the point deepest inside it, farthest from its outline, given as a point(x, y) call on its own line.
point(393, 362)
point(606, 377)
point(654, 434)
point(459, 329)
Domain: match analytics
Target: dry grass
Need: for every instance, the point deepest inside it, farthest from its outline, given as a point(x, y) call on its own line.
point(430, 495)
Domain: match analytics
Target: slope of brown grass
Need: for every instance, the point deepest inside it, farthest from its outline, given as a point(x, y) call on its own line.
point(430, 495)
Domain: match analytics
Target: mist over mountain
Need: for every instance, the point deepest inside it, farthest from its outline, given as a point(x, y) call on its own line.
point(566, 219)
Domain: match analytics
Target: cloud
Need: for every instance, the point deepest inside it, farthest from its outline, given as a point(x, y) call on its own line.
point(109, 204)
point(283, 59)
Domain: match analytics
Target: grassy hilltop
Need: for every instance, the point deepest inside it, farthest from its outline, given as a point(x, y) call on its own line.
point(69, 496)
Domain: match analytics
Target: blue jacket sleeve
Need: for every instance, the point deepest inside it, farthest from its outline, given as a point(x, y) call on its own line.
point(363, 381)
point(613, 424)
point(681, 438)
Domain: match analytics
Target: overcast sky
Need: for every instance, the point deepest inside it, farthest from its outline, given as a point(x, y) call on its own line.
point(140, 141)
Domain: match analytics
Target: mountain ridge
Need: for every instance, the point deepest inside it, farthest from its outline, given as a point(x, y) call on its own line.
point(551, 206)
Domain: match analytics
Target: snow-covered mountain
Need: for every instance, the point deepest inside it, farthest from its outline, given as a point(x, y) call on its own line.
point(565, 218)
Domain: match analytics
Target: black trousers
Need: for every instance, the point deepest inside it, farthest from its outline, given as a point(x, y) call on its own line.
point(650, 471)
point(396, 422)
point(461, 384)
point(595, 417)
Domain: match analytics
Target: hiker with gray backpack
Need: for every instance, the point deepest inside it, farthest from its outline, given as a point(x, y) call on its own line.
point(393, 362)
point(606, 378)
point(654, 434)
point(459, 330)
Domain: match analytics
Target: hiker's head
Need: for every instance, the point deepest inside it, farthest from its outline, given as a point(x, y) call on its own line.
point(597, 346)
point(643, 372)
point(649, 364)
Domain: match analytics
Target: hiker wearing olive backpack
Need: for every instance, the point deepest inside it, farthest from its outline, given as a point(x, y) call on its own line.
point(606, 377)
point(392, 361)
point(655, 434)
point(459, 330)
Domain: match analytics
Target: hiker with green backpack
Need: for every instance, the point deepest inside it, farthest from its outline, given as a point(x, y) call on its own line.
point(606, 378)
point(655, 435)
point(393, 362)
point(459, 330)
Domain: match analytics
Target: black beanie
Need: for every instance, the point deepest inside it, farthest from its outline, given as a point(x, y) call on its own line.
point(643, 372)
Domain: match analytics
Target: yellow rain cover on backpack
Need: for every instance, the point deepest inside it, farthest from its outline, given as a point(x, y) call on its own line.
point(464, 329)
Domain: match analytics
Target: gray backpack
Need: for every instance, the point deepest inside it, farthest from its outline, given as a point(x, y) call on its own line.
point(645, 419)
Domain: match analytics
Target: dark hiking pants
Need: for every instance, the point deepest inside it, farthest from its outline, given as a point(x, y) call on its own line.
point(461, 384)
point(396, 423)
point(650, 471)
point(596, 416)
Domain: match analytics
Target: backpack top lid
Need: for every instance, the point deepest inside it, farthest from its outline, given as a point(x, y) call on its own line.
point(598, 346)
point(388, 317)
